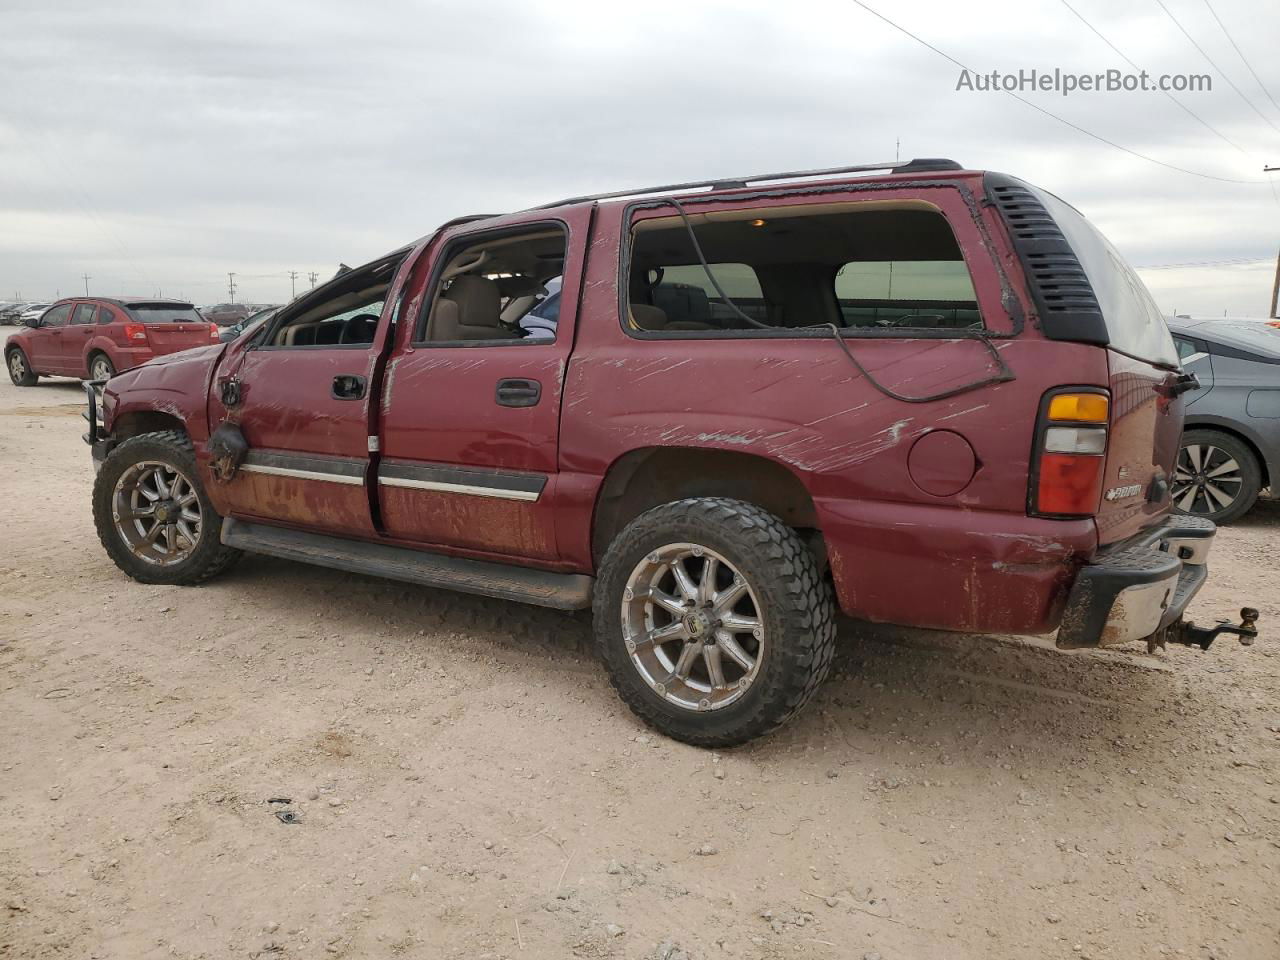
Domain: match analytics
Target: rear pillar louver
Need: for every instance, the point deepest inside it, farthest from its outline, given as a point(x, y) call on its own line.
point(1064, 298)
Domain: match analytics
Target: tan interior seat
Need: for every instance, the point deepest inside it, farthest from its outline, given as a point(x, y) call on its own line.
point(471, 309)
point(648, 317)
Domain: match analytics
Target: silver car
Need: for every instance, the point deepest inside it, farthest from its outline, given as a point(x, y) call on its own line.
point(1231, 438)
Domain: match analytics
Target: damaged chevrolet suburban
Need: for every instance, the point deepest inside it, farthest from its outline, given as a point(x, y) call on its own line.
point(915, 393)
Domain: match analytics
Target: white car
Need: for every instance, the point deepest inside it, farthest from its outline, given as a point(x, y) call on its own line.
point(33, 312)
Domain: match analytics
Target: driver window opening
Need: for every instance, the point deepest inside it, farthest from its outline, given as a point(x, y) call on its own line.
point(347, 317)
point(867, 266)
point(501, 289)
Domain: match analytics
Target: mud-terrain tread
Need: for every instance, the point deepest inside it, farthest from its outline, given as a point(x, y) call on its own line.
point(801, 652)
point(213, 557)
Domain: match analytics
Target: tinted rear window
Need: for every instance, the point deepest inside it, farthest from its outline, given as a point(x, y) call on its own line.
point(1135, 325)
point(165, 313)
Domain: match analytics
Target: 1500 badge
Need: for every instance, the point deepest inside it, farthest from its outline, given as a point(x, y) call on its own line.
point(1119, 493)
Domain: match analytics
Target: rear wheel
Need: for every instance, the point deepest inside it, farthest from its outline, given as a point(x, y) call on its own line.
point(153, 516)
point(713, 620)
point(1217, 476)
point(101, 367)
point(20, 371)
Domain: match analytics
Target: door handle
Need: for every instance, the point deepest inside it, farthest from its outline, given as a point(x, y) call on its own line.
point(347, 386)
point(518, 393)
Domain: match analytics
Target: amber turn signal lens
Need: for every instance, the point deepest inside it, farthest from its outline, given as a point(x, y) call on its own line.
point(1079, 407)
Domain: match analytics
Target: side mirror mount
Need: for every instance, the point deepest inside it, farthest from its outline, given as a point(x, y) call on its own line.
point(32, 322)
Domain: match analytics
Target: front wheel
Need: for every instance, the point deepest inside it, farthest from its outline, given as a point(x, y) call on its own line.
point(20, 371)
point(1217, 476)
point(713, 620)
point(153, 516)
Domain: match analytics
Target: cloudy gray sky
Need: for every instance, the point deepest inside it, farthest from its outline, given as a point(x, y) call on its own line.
point(156, 146)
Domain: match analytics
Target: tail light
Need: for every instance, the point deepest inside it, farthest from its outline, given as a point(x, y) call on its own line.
point(135, 331)
point(1070, 453)
point(213, 332)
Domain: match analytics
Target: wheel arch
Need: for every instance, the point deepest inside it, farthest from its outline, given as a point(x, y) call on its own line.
point(100, 343)
point(1236, 434)
point(650, 476)
point(137, 422)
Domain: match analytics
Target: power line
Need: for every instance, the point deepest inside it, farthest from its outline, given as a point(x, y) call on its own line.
point(1204, 123)
point(1238, 261)
point(1050, 114)
point(1247, 64)
point(1160, 3)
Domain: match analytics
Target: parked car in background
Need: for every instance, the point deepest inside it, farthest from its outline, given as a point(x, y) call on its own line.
point(984, 444)
point(97, 337)
point(1231, 439)
point(33, 311)
point(227, 334)
point(12, 310)
point(226, 314)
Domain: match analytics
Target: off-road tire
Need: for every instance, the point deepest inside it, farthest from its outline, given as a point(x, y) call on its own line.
point(29, 377)
point(798, 611)
point(1250, 472)
point(208, 559)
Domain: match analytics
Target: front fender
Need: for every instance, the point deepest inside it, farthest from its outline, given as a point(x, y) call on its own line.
point(176, 385)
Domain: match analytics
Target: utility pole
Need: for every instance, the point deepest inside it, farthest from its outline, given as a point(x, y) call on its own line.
point(293, 284)
point(86, 278)
point(231, 286)
point(1275, 287)
point(313, 276)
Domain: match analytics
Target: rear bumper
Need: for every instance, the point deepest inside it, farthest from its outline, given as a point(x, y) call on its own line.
point(1137, 588)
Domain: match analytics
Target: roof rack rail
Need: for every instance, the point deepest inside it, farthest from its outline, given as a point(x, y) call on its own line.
point(921, 165)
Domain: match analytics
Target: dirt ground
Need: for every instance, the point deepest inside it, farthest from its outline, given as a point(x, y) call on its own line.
point(467, 785)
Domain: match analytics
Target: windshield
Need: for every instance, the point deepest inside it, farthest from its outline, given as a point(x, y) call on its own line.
point(165, 313)
point(1135, 325)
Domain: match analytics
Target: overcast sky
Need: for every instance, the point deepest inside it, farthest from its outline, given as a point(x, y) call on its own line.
point(156, 146)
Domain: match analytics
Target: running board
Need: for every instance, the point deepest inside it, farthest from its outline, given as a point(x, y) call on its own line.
point(563, 591)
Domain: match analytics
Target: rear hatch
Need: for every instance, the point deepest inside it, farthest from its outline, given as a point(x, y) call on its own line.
point(1086, 292)
point(1146, 425)
point(171, 326)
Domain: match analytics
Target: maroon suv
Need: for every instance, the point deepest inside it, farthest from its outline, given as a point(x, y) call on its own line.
point(94, 338)
point(930, 396)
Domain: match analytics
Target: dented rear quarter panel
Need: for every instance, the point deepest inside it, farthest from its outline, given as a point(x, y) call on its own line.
point(973, 560)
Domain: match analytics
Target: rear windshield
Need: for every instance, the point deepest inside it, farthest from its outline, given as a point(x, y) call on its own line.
point(165, 313)
point(1261, 337)
point(1135, 325)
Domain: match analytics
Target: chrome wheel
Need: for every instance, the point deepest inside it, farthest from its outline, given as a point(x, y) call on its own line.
point(156, 512)
point(1207, 479)
point(17, 365)
point(693, 627)
point(101, 369)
